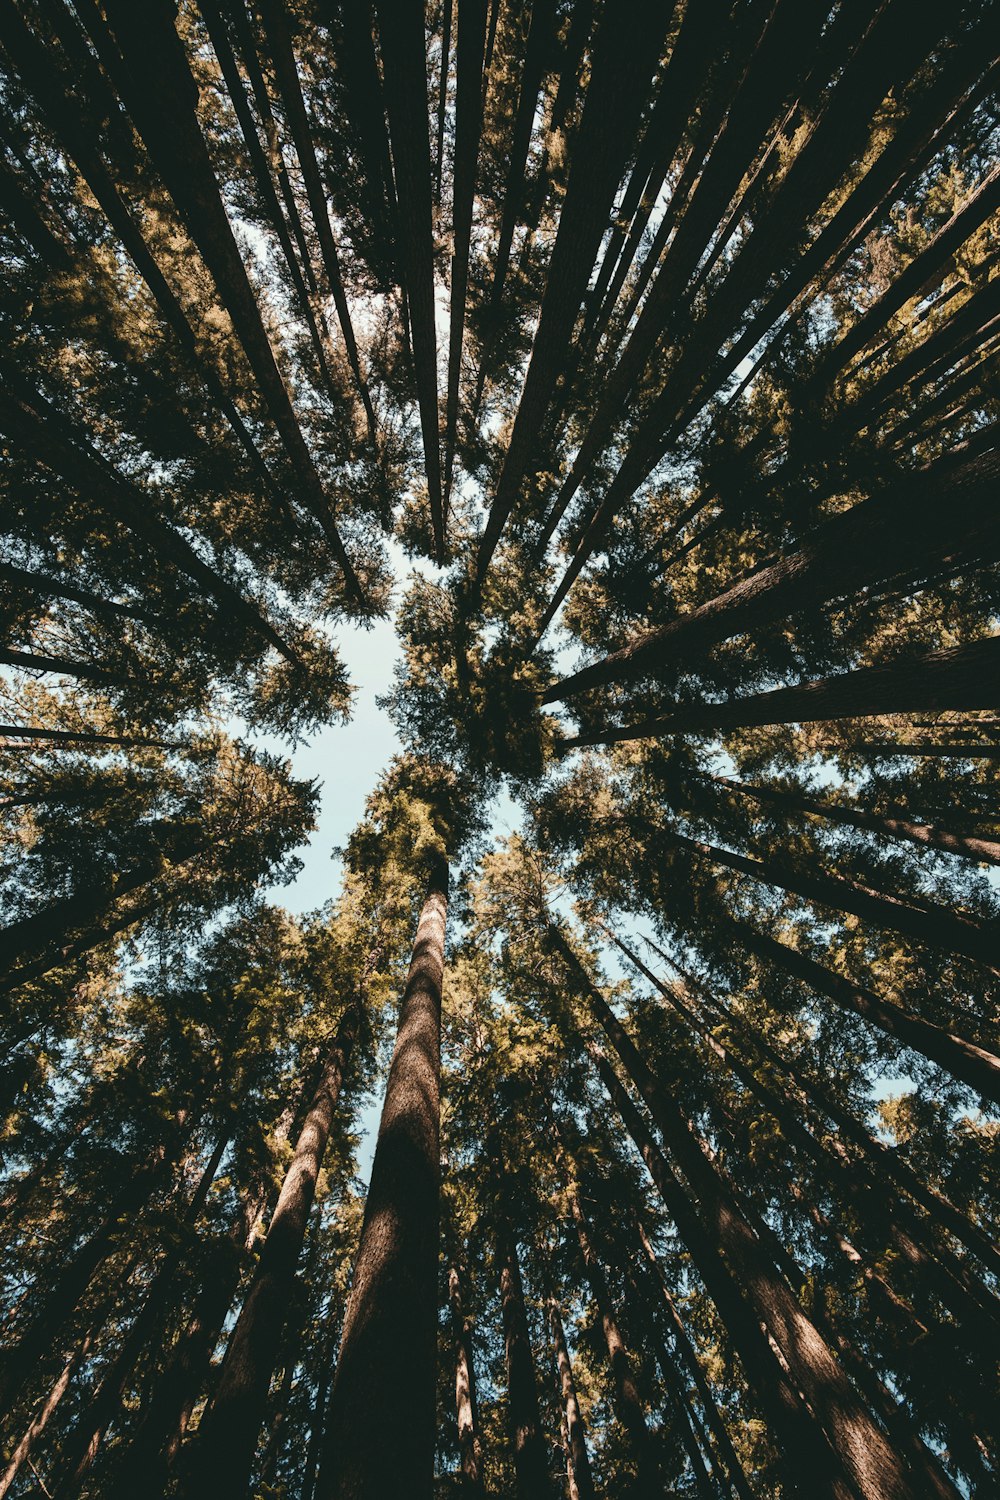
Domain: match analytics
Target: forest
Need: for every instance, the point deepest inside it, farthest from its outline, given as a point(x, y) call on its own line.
point(637, 364)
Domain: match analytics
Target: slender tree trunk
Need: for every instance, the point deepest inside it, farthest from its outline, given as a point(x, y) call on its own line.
point(925, 835)
point(924, 921)
point(387, 1354)
point(804, 1454)
point(44, 937)
point(626, 54)
point(531, 1481)
point(532, 71)
point(404, 60)
point(577, 1458)
point(468, 129)
point(283, 61)
point(161, 96)
point(83, 1443)
point(874, 1468)
point(957, 677)
point(466, 1412)
point(228, 1434)
point(628, 1406)
point(80, 123)
point(738, 1481)
point(897, 536)
point(44, 1413)
point(973, 1065)
point(68, 737)
point(51, 441)
point(976, 1308)
point(152, 1453)
point(61, 1299)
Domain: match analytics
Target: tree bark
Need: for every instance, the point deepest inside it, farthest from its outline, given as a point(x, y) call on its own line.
point(466, 1412)
point(925, 835)
point(917, 919)
point(63, 1296)
point(737, 1477)
point(873, 1467)
point(628, 1406)
point(387, 1354)
point(626, 54)
point(82, 1444)
point(805, 1456)
point(973, 1065)
point(898, 536)
point(577, 1458)
point(955, 678)
point(161, 96)
point(228, 1433)
point(283, 61)
point(468, 129)
point(404, 61)
point(531, 1475)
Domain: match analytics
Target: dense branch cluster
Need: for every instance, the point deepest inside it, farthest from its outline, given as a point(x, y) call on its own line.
point(661, 341)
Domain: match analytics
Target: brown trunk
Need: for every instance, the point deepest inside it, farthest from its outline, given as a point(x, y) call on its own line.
point(81, 1447)
point(466, 1413)
point(737, 1478)
point(387, 1354)
point(468, 129)
point(577, 1458)
point(228, 1433)
point(283, 62)
point(898, 536)
point(957, 677)
point(973, 1065)
point(923, 921)
point(531, 1481)
point(404, 61)
point(805, 1456)
point(925, 835)
point(874, 1468)
point(62, 1297)
point(626, 54)
point(161, 96)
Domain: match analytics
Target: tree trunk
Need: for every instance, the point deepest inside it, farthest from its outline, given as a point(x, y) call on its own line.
point(216, 26)
point(898, 536)
point(45, 936)
point(874, 1468)
point(404, 61)
point(532, 71)
point(577, 1458)
point(466, 1413)
point(161, 96)
point(924, 835)
point(973, 1065)
point(626, 55)
point(737, 1478)
point(924, 921)
point(804, 1454)
point(283, 61)
point(49, 440)
point(532, 1480)
point(628, 1406)
point(62, 1297)
point(228, 1433)
point(81, 1447)
point(468, 129)
point(387, 1354)
point(151, 1455)
point(976, 1307)
point(957, 677)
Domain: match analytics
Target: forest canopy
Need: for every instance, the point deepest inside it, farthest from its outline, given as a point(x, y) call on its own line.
point(639, 363)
